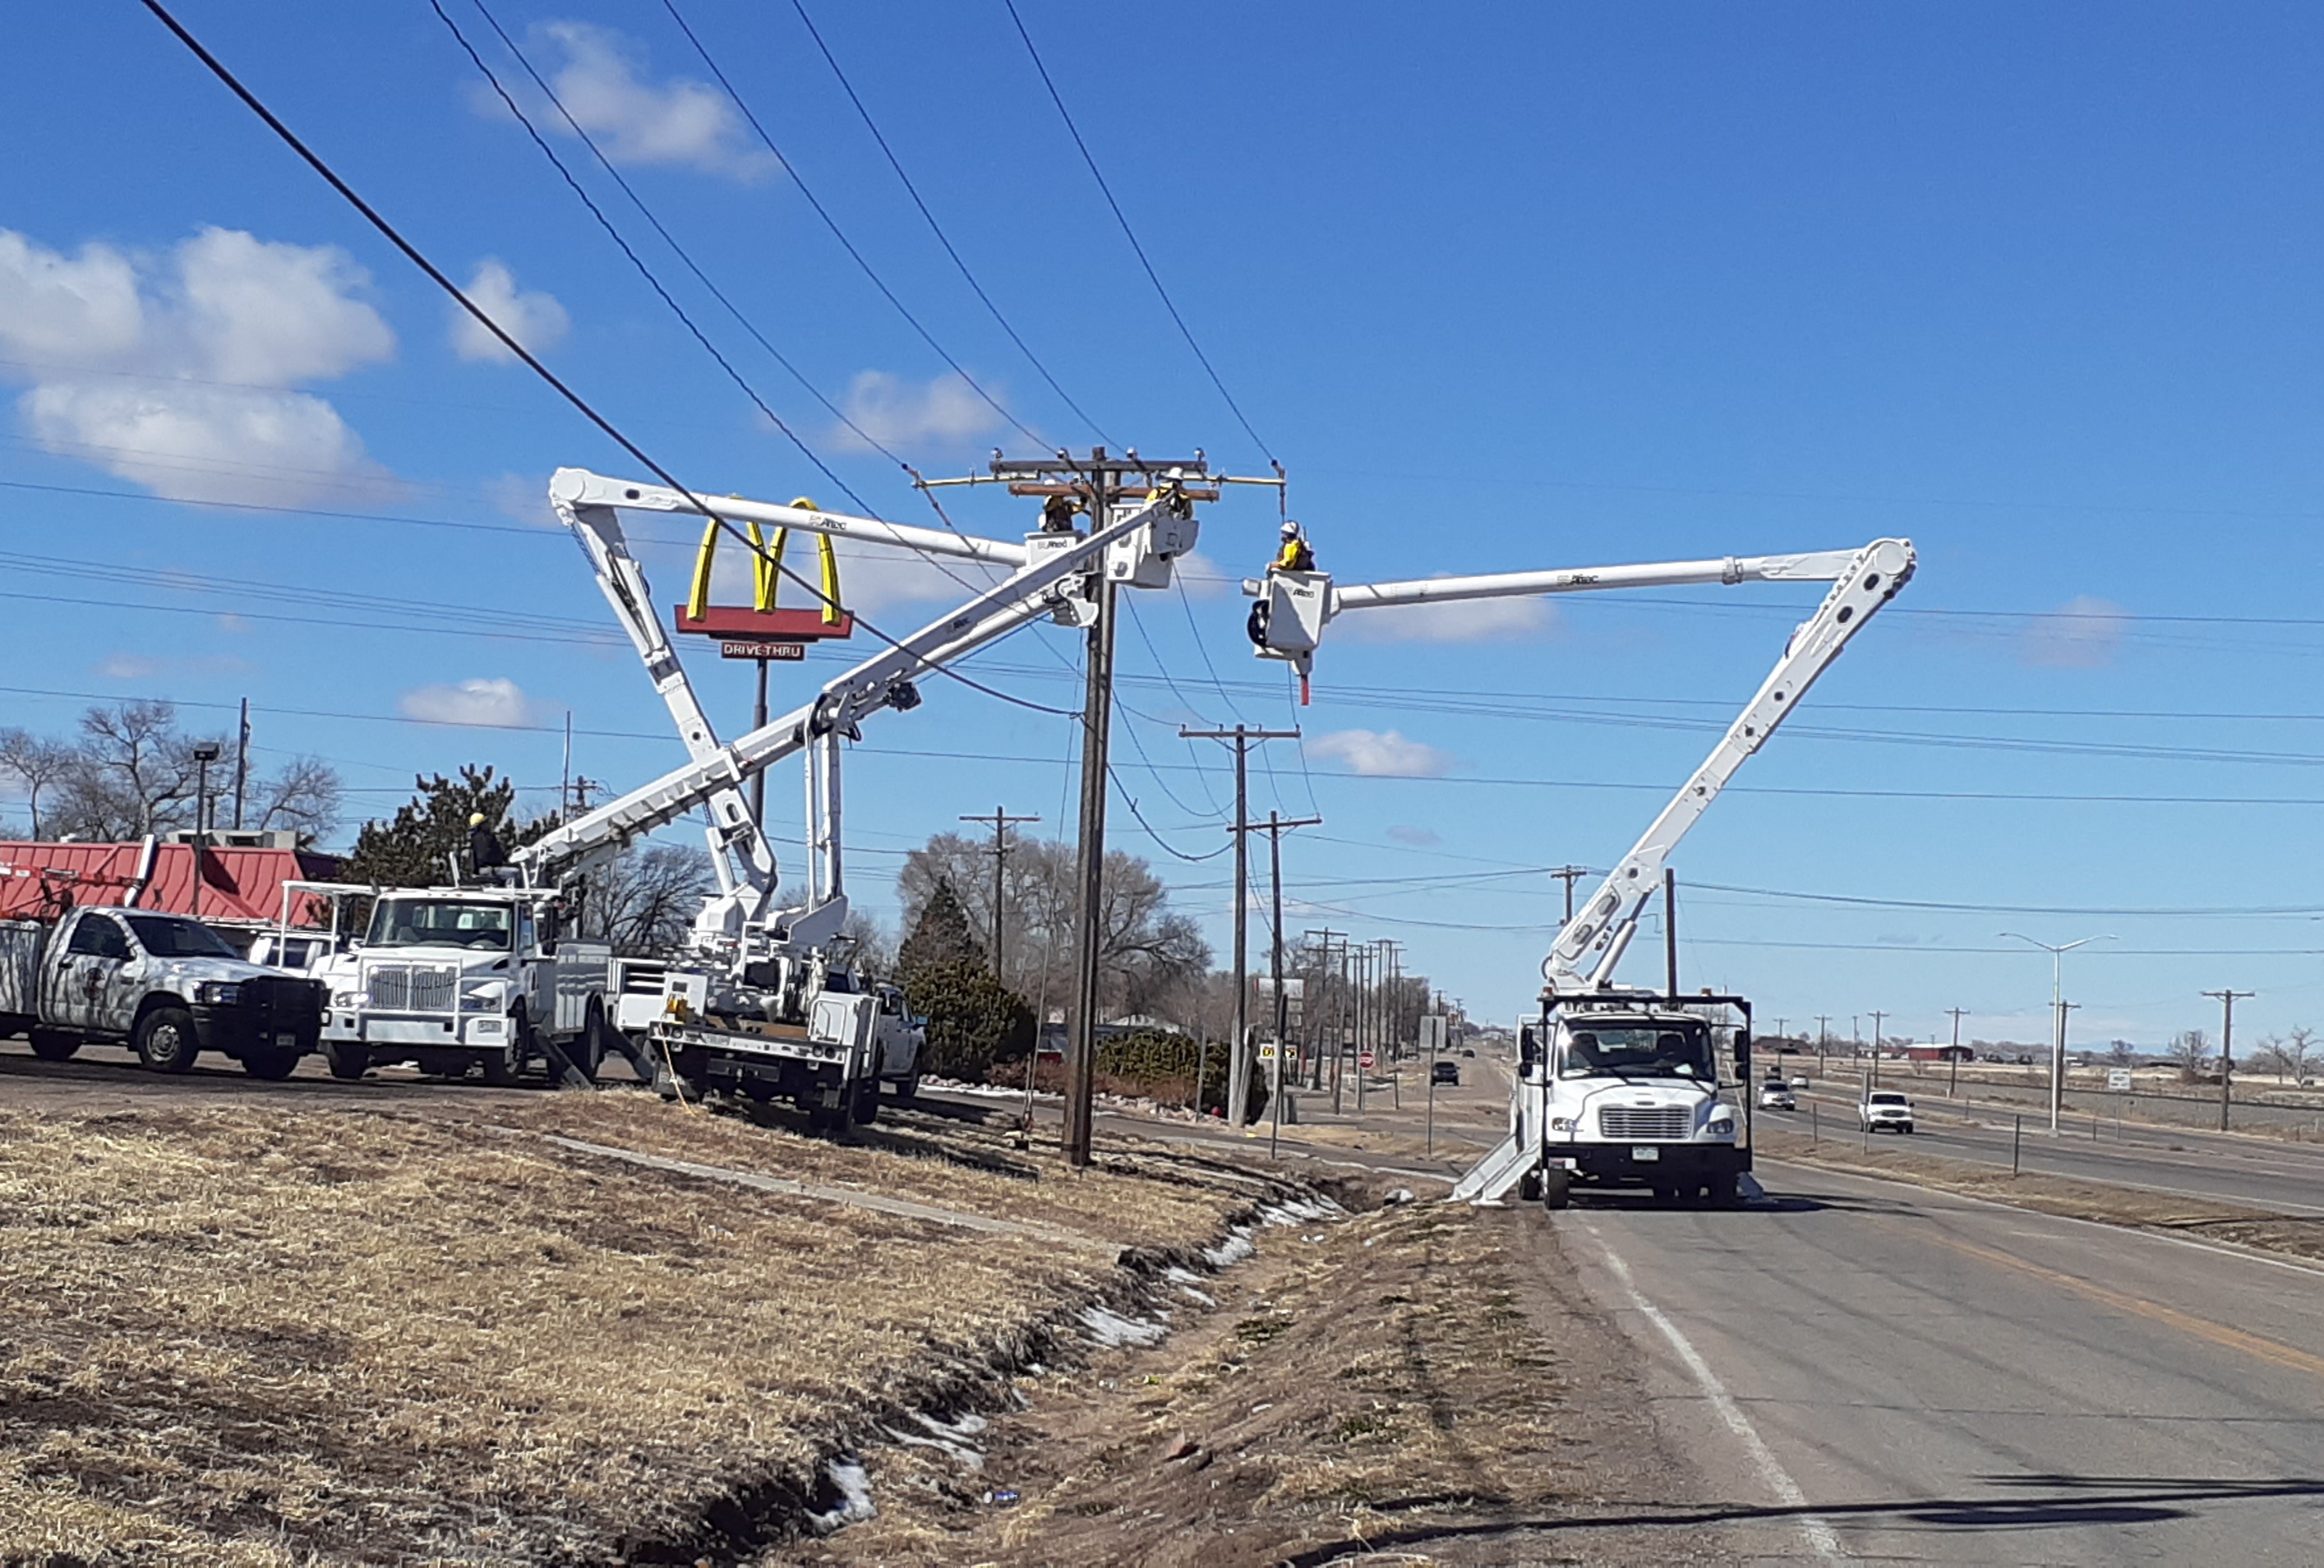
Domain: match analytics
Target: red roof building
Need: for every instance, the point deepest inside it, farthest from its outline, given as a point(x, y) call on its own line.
point(238, 886)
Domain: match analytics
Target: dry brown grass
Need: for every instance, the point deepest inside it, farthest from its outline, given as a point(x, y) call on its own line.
point(2051, 1195)
point(240, 1337)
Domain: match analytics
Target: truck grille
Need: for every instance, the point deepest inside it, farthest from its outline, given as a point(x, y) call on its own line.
point(413, 987)
point(1647, 1121)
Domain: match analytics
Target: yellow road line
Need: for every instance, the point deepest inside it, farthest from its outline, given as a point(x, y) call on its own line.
point(2234, 1339)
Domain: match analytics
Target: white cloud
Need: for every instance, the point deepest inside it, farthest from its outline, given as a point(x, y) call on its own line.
point(898, 413)
point(495, 701)
point(1206, 579)
point(1461, 621)
point(1381, 754)
point(1421, 836)
point(532, 317)
point(181, 372)
point(637, 122)
point(2082, 634)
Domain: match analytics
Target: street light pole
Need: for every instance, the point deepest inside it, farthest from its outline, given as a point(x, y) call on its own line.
point(2057, 952)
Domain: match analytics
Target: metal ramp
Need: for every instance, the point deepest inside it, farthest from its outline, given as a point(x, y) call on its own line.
point(1491, 1177)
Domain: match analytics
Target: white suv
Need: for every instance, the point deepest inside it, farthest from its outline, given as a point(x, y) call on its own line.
point(1884, 1109)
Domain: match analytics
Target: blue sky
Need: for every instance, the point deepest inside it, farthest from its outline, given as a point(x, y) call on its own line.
point(1520, 287)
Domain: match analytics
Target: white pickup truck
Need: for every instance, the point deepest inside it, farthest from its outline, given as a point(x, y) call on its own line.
point(455, 980)
point(167, 986)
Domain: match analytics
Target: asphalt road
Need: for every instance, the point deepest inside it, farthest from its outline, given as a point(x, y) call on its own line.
point(1865, 1371)
point(2267, 1172)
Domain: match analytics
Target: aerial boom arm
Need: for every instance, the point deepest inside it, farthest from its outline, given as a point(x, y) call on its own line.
point(882, 681)
point(576, 487)
point(1587, 950)
point(1820, 566)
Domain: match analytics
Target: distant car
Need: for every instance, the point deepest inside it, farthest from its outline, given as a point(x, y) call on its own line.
point(1775, 1095)
point(1885, 1110)
point(1470, 1053)
point(1444, 1073)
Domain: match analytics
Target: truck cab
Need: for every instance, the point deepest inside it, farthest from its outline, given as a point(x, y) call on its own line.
point(166, 985)
point(1628, 1093)
point(454, 979)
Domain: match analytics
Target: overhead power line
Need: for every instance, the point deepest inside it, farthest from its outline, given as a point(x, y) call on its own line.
point(841, 234)
point(581, 405)
point(937, 229)
point(1132, 235)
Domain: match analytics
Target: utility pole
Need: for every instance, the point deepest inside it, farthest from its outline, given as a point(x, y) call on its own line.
point(1955, 1083)
point(1238, 1053)
point(1569, 875)
point(1670, 930)
point(1361, 957)
point(205, 753)
point(1876, 1047)
point(241, 762)
point(1324, 976)
point(1391, 966)
point(1275, 827)
point(1001, 821)
point(1823, 1040)
point(2057, 952)
point(2227, 1000)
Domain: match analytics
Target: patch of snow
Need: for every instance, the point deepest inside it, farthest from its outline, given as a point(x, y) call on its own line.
point(967, 1426)
point(1292, 1211)
point(1202, 1297)
point(1230, 1251)
point(1112, 1329)
point(965, 1454)
point(854, 1489)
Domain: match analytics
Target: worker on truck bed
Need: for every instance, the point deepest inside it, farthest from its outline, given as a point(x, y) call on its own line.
point(1295, 555)
point(485, 854)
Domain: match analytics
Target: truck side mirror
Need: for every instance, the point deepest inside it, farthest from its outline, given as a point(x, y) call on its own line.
point(1743, 1053)
point(1529, 1049)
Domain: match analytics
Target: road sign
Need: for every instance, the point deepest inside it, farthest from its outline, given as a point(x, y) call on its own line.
point(2118, 1080)
point(1364, 1059)
point(1267, 1050)
point(783, 651)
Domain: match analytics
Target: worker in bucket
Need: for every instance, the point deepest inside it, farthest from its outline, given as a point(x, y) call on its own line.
point(486, 855)
point(1295, 556)
point(1057, 514)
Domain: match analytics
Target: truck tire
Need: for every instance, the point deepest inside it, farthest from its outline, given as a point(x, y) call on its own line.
point(54, 1046)
point(268, 1063)
point(1724, 1192)
point(165, 1040)
point(1530, 1187)
point(1556, 1188)
point(506, 1066)
point(348, 1060)
point(863, 1101)
point(587, 1051)
point(908, 1089)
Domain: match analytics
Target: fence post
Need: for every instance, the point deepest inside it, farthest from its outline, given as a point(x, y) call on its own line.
point(1815, 1129)
point(2017, 1138)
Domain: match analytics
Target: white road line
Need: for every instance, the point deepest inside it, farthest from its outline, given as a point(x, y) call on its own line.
point(1817, 1532)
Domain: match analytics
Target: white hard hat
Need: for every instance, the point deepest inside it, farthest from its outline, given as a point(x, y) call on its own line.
point(1291, 530)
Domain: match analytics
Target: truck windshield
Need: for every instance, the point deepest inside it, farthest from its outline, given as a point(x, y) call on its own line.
point(439, 923)
point(1635, 1048)
point(166, 939)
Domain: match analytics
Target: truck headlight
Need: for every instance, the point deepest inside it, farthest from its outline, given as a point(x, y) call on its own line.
point(349, 999)
point(218, 992)
point(482, 996)
point(1720, 1126)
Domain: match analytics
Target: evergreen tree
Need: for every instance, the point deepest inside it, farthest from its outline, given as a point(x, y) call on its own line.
point(941, 937)
point(411, 849)
point(974, 1023)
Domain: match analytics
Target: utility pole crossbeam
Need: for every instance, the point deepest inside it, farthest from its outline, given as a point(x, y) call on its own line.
point(2227, 1000)
point(1241, 737)
point(2057, 952)
point(1001, 822)
point(1570, 875)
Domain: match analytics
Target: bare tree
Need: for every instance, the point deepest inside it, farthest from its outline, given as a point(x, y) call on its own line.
point(2299, 1051)
point(2192, 1050)
point(874, 952)
point(36, 764)
point(646, 900)
point(136, 775)
point(2286, 1058)
point(304, 794)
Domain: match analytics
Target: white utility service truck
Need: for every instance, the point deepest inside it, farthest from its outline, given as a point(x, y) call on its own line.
point(457, 980)
point(167, 986)
point(1621, 1087)
point(761, 1002)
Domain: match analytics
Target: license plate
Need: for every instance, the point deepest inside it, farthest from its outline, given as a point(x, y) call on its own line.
point(1644, 1152)
point(286, 1042)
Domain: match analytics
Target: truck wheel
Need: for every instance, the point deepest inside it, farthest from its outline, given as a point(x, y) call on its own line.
point(587, 1051)
point(501, 1068)
point(165, 1040)
point(270, 1064)
point(50, 1046)
point(347, 1060)
point(1556, 1188)
point(1530, 1187)
point(909, 1089)
point(1724, 1192)
point(863, 1102)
